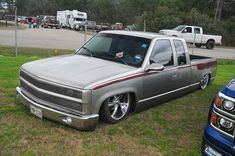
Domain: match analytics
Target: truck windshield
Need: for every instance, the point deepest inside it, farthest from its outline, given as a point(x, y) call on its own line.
point(179, 28)
point(123, 49)
point(79, 19)
point(51, 18)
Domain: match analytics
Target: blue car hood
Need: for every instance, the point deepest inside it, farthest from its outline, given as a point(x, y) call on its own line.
point(229, 89)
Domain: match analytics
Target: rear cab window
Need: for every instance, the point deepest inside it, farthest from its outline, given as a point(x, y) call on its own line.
point(180, 52)
point(197, 31)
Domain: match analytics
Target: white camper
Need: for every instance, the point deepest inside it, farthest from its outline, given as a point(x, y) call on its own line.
point(77, 19)
point(63, 18)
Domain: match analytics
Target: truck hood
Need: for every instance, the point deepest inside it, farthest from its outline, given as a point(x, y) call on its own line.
point(169, 32)
point(76, 70)
point(229, 89)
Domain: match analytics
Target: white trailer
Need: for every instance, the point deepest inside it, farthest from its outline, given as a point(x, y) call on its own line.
point(63, 18)
point(71, 19)
point(77, 19)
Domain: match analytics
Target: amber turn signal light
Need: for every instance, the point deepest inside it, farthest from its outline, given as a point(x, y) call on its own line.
point(214, 119)
point(218, 101)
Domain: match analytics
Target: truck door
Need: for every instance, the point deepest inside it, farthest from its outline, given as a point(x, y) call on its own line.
point(187, 34)
point(183, 76)
point(157, 83)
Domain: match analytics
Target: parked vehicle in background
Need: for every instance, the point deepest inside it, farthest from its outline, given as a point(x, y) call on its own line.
point(89, 24)
point(219, 133)
point(3, 6)
point(113, 74)
point(189, 33)
point(63, 18)
point(22, 19)
point(102, 27)
point(50, 22)
point(130, 27)
point(77, 19)
point(117, 26)
point(71, 19)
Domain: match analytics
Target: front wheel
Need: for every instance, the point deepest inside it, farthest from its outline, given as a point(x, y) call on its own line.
point(204, 81)
point(115, 108)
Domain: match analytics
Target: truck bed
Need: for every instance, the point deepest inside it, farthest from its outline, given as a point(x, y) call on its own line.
point(198, 57)
point(197, 60)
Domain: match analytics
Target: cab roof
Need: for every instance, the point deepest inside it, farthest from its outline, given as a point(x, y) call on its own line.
point(149, 35)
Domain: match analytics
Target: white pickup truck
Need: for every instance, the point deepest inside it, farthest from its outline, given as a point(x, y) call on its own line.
point(190, 32)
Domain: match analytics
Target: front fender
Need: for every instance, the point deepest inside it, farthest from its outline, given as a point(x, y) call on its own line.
point(99, 96)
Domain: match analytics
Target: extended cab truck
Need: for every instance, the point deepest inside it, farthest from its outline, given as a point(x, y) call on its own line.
point(113, 74)
point(190, 32)
point(219, 133)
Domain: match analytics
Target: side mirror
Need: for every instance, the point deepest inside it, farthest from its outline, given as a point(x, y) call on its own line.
point(184, 31)
point(154, 67)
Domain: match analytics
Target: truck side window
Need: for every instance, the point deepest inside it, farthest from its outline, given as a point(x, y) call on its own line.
point(196, 30)
point(162, 53)
point(187, 30)
point(181, 56)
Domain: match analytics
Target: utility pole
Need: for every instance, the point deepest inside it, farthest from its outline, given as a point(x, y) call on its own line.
point(85, 32)
point(144, 25)
point(16, 27)
point(218, 10)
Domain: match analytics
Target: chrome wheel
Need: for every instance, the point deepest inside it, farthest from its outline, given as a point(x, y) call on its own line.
point(118, 106)
point(204, 81)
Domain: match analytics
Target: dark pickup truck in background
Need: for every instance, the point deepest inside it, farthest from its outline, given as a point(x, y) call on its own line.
point(50, 22)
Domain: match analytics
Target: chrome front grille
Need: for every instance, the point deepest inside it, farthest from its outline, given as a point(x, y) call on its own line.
point(50, 87)
point(40, 90)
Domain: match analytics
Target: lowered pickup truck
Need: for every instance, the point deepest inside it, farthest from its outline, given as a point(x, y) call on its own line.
point(113, 74)
point(189, 33)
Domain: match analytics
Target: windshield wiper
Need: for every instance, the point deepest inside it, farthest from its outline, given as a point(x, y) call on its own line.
point(87, 50)
point(123, 61)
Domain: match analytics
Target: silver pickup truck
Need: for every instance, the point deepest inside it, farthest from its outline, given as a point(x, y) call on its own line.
point(113, 74)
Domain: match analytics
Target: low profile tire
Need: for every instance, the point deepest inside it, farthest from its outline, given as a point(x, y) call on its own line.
point(204, 81)
point(198, 45)
point(210, 44)
point(115, 108)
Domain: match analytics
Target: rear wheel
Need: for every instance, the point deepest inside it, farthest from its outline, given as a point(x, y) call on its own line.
point(204, 81)
point(210, 44)
point(115, 108)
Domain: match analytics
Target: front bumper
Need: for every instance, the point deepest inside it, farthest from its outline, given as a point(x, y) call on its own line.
point(81, 122)
point(219, 142)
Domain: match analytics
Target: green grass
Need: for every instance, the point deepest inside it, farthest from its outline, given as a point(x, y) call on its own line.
point(172, 128)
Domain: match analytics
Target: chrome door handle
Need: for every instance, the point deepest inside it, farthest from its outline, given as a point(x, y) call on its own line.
point(174, 76)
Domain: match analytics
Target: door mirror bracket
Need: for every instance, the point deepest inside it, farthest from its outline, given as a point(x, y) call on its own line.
point(154, 67)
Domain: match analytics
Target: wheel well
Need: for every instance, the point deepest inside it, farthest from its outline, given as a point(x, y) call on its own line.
point(210, 40)
point(133, 103)
point(209, 78)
